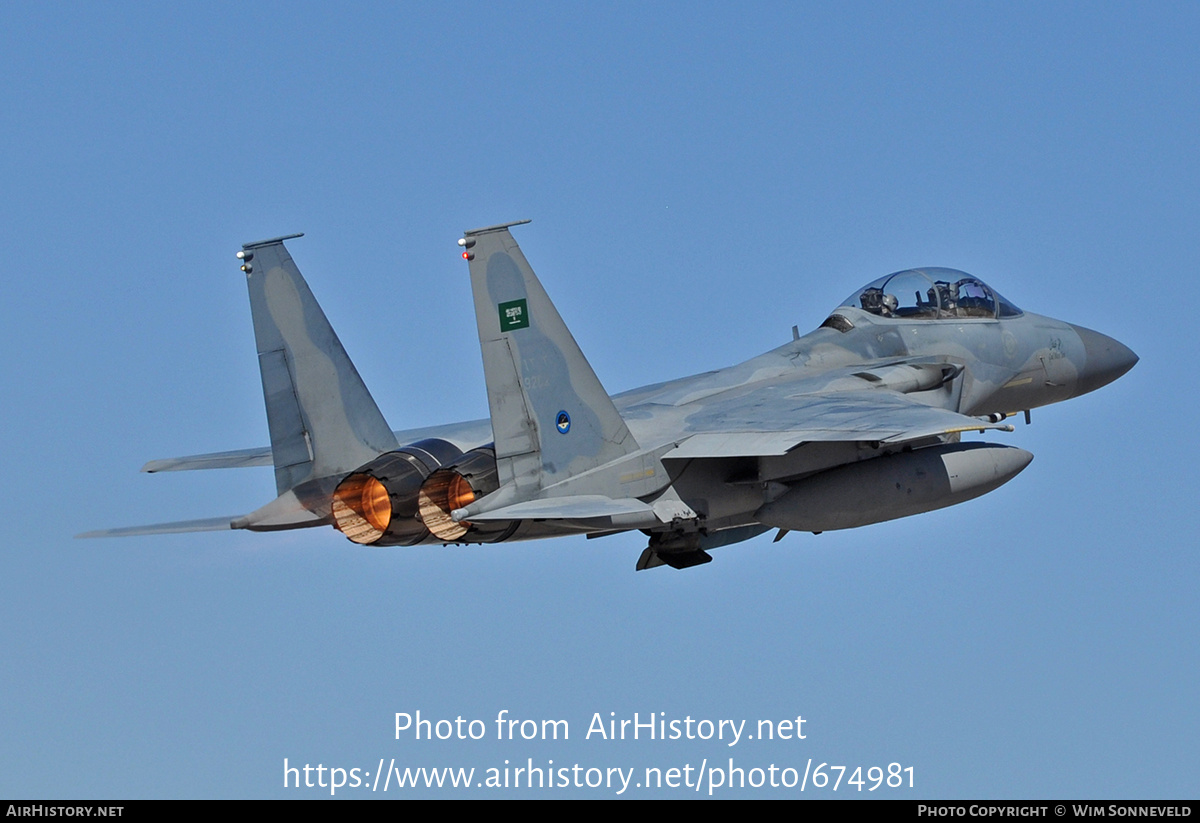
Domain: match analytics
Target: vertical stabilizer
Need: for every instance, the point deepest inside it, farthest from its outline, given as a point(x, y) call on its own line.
point(551, 418)
point(322, 419)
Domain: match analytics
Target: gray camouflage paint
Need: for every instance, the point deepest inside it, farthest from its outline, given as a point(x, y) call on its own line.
point(700, 455)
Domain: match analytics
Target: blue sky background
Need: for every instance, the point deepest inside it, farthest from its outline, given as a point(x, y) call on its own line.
point(701, 177)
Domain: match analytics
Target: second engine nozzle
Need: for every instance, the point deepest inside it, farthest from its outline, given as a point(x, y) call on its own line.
point(377, 503)
point(456, 487)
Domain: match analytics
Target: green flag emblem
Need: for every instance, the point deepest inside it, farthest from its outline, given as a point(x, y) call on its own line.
point(514, 315)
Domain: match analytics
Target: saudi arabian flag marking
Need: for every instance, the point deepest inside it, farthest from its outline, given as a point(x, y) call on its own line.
point(514, 315)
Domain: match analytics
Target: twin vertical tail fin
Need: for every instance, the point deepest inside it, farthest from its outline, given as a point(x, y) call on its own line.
point(552, 421)
point(551, 417)
point(322, 419)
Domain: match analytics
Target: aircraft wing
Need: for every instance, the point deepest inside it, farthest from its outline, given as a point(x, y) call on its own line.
point(758, 422)
point(242, 458)
point(464, 435)
point(774, 420)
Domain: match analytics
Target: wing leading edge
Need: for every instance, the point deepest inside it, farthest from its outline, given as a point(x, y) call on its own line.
point(761, 425)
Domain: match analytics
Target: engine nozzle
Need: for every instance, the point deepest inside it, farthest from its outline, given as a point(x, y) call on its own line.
point(377, 503)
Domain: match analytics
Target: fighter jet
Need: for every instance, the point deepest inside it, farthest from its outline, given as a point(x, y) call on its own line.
point(857, 422)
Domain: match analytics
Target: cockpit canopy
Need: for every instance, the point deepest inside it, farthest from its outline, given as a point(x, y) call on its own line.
point(931, 294)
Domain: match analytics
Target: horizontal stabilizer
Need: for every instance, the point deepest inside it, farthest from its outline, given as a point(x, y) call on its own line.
point(211, 524)
point(284, 512)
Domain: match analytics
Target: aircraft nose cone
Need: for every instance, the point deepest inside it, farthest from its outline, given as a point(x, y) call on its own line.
point(1107, 359)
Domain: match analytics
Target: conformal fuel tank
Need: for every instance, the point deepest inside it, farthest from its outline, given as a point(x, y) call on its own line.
point(894, 486)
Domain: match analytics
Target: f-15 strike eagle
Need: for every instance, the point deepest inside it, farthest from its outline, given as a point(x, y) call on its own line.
point(857, 422)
